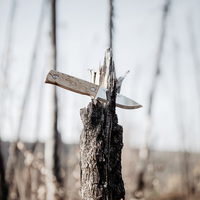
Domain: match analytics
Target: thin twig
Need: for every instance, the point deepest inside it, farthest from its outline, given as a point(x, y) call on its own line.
point(111, 23)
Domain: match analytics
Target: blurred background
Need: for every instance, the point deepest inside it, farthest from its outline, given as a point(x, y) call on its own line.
point(157, 40)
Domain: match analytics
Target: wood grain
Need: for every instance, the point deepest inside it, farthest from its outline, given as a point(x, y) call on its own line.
point(71, 83)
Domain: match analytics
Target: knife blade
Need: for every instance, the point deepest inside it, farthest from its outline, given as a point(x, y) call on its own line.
point(86, 88)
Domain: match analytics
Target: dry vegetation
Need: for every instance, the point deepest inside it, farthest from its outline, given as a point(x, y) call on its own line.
point(39, 171)
point(163, 179)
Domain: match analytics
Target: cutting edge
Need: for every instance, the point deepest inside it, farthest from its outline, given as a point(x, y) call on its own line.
point(121, 101)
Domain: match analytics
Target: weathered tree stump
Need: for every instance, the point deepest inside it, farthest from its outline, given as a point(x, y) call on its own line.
point(101, 141)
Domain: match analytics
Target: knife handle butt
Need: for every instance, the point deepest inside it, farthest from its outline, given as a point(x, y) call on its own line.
point(71, 83)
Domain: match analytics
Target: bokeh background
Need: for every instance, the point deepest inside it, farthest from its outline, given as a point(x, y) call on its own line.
point(146, 36)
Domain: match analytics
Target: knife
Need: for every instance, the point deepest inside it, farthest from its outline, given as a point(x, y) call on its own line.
point(86, 88)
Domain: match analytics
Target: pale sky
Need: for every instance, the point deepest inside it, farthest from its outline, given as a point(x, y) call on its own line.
point(82, 35)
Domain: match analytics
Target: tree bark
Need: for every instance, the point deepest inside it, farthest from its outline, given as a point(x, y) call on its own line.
point(101, 143)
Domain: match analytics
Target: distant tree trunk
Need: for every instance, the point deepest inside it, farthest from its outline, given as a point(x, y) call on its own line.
point(111, 24)
point(3, 185)
point(52, 162)
point(9, 173)
point(13, 157)
point(196, 60)
point(186, 174)
point(34, 173)
point(144, 152)
point(8, 44)
point(101, 142)
point(195, 55)
point(184, 154)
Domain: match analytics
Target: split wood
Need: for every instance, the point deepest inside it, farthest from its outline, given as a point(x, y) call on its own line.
point(101, 140)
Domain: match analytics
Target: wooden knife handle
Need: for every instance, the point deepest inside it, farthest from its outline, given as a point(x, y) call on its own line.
point(71, 83)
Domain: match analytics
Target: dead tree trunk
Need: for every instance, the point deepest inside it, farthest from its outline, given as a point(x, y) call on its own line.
point(101, 141)
point(5, 65)
point(13, 157)
point(196, 60)
point(144, 152)
point(52, 163)
point(180, 112)
point(3, 185)
point(111, 24)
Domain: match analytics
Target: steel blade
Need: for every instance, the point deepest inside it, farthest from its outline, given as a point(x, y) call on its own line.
point(121, 101)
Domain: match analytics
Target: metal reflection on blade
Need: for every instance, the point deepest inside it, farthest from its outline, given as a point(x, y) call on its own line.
point(121, 101)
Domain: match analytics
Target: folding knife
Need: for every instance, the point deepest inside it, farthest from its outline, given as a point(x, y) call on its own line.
point(86, 88)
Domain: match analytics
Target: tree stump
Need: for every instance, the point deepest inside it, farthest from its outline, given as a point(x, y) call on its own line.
point(101, 141)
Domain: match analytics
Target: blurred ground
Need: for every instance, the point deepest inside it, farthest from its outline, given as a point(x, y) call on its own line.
point(164, 177)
